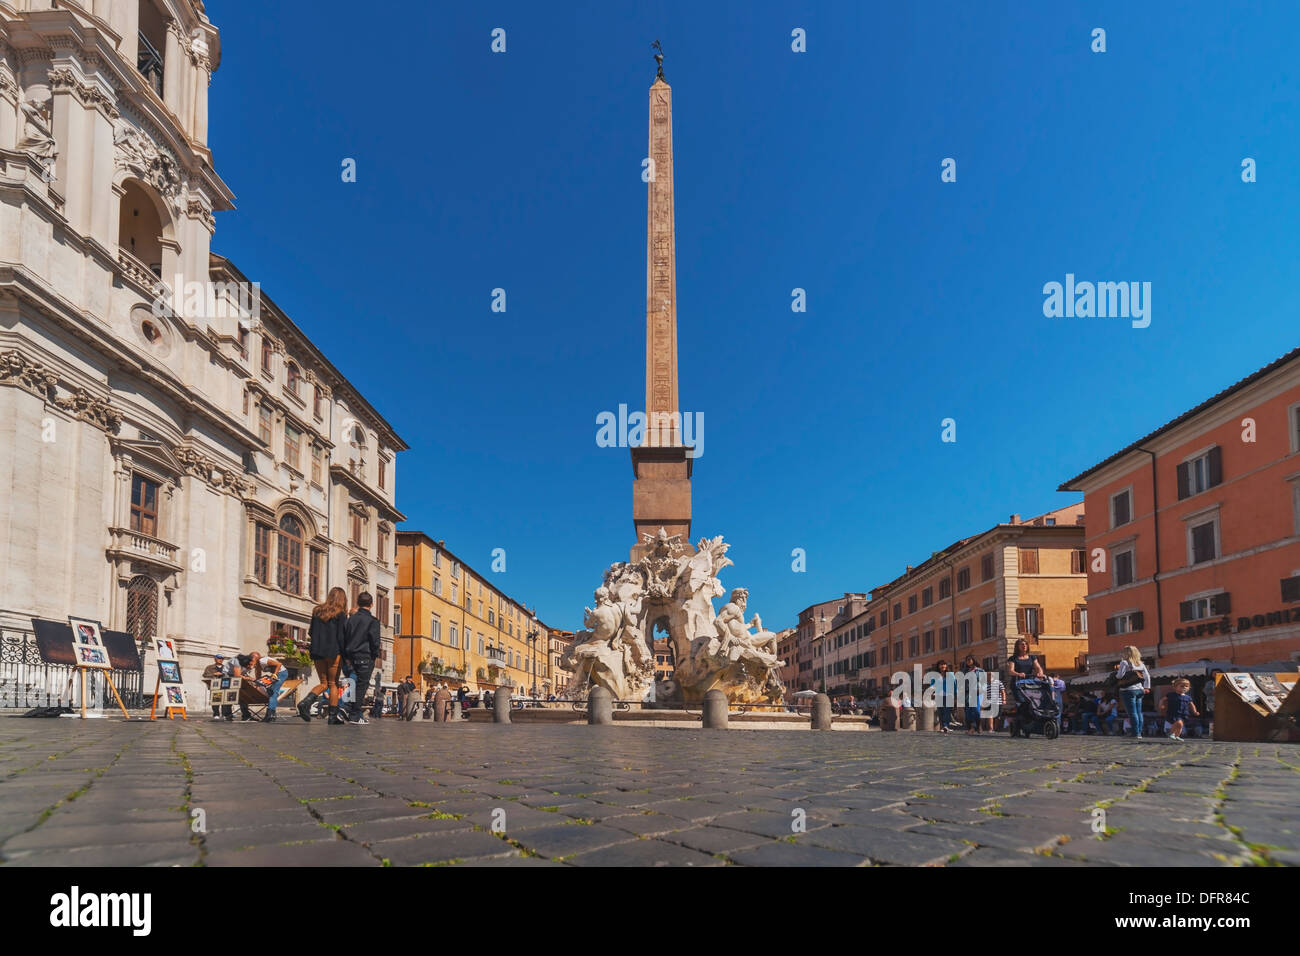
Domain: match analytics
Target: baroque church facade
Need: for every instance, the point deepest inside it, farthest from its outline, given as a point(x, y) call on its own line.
point(176, 457)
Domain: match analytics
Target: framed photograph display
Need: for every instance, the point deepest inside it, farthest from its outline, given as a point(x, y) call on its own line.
point(166, 649)
point(90, 655)
point(169, 672)
point(86, 631)
point(175, 695)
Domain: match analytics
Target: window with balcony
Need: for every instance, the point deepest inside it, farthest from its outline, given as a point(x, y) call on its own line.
point(140, 233)
point(1201, 473)
point(288, 568)
point(144, 506)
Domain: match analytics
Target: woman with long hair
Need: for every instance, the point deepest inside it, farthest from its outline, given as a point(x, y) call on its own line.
point(1134, 682)
point(1022, 663)
point(326, 632)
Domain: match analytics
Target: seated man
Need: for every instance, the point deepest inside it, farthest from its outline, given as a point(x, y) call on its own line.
point(1108, 713)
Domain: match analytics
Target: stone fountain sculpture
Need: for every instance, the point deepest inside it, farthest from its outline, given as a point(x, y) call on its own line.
point(673, 588)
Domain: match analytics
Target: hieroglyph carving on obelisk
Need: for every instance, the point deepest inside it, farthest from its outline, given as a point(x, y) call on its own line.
point(661, 277)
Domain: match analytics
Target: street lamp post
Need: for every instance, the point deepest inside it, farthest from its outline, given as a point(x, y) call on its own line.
point(532, 643)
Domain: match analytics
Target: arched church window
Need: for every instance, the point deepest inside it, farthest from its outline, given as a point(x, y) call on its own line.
point(289, 563)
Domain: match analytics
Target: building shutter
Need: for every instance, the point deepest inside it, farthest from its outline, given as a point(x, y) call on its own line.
point(1216, 466)
point(1185, 610)
point(1020, 620)
point(1076, 624)
point(1041, 624)
point(1184, 481)
point(1221, 604)
point(1291, 588)
point(1137, 620)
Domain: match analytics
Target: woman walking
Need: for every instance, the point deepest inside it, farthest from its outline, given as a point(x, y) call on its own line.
point(1134, 682)
point(326, 633)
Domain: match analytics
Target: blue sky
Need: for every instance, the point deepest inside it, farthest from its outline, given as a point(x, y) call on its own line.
point(818, 170)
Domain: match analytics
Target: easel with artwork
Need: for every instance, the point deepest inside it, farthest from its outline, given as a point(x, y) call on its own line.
point(89, 653)
point(169, 682)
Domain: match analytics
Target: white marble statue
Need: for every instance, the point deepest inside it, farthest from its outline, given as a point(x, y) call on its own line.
point(711, 651)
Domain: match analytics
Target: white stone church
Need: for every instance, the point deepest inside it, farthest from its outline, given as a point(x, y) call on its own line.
point(176, 458)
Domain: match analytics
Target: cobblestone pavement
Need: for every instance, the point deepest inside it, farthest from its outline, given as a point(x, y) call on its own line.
point(95, 793)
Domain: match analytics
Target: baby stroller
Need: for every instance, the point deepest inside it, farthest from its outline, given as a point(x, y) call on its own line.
point(1038, 709)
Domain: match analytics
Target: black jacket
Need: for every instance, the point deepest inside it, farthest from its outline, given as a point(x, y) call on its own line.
point(361, 636)
point(326, 637)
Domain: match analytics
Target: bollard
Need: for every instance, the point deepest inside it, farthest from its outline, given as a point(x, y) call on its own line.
point(715, 710)
point(600, 706)
point(482, 703)
point(888, 717)
point(440, 702)
point(455, 710)
point(927, 716)
point(821, 712)
point(907, 718)
point(501, 707)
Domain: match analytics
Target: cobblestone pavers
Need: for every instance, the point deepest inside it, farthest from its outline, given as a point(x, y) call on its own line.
point(97, 793)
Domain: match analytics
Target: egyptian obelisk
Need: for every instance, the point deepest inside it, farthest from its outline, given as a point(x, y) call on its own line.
point(661, 489)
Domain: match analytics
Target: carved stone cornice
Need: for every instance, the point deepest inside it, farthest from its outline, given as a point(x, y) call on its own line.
point(17, 369)
point(34, 54)
point(196, 209)
point(91, 408)
point(215, 475)
point(64, 80)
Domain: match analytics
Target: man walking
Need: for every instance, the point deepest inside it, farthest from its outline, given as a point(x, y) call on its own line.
point(361, 646)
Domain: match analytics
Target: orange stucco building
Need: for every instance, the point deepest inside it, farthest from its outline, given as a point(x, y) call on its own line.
point(1194, 532)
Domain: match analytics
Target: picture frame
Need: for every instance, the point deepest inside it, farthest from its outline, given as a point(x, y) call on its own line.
point(91, 655)
point(169, 672)
point(166, 649)
point(86, 631)
point(175, 695)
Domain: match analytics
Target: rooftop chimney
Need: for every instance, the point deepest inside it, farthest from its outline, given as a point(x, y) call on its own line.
point(1015, 519)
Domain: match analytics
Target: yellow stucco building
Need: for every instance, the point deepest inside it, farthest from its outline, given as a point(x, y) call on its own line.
point(452, 625)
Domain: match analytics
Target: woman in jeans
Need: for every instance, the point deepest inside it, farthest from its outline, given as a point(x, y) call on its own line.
point(1131, 665)
point(326, 633)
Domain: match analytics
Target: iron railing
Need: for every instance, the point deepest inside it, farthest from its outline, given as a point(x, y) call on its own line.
point(27, 681)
